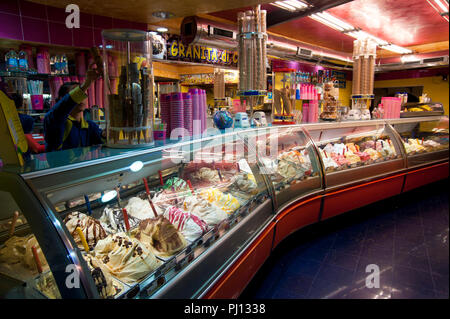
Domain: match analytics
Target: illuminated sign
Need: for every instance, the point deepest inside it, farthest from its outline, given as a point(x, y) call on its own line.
point(197, 53)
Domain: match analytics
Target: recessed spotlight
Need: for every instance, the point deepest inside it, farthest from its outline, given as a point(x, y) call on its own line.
point(163, 14)
point(136, 166)
point(108, 196)
point(162, 29)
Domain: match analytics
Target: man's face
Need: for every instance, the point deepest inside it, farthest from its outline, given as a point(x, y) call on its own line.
point(83, 105)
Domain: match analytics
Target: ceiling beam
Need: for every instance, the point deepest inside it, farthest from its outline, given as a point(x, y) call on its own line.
point(281, 16)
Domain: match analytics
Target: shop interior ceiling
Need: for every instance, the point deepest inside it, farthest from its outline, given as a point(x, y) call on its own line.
point(413, 24)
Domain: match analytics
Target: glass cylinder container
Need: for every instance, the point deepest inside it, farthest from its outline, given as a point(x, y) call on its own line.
point(128, 88)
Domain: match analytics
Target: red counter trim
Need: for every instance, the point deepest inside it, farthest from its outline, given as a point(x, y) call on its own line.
point(346, 189)
point(296, 205)
point(242, 271)
point(425, 175)
point(297, 216)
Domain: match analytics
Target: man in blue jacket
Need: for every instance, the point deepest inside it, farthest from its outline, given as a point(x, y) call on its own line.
point(64, 125)
point(26, 120)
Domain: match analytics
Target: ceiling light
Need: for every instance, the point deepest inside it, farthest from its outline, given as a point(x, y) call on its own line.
point(163, 14)
point(285, 6)
point(290, 5)
point(340, 25)
point(162, 29)
point(441, 6)
point(332, 21)
point(359, 34)
point(326, 22)
point(396, 49)
point(379, 42)
point(336, 21)
point(297, 4)
point(409, 58)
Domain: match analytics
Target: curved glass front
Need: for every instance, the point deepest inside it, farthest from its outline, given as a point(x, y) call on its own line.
point(350, 153)
point(424, 140)
point(142, 223)
point(289, 161)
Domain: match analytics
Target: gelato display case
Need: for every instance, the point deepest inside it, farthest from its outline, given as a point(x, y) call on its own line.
point(174, 220)
point(423, 141)
point(351, 152)
point(161, 222)
point(289, 161)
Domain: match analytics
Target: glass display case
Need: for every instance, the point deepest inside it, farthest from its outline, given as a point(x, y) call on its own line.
point(169, 221)
point(288, 160)
point(424, 139)
point(354, 151)
point(24, 269)
point(151, 223)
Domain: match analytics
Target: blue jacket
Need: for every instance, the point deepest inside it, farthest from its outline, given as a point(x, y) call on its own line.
point(27, 123)
point(62, 131)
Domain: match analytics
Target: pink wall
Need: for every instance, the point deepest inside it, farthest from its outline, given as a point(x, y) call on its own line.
point(26, 21)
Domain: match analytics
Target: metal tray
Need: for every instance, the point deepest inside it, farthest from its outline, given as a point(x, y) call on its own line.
point(419, 114)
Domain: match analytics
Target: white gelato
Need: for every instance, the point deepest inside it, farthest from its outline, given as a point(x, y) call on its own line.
point(245, 183)
point(211, 214)
point(139, 208)
point(190, 225)
point(385, 148)
point(328, 162)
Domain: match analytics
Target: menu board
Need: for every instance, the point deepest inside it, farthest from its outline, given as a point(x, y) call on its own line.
point(14, 143)
point(340, 77)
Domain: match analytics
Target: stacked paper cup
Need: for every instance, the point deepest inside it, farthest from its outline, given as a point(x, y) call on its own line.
point(205, 112)
point(176, 111)
point(187, 103)
point(165, 111)
point(202, 115)
point(195, 111)
point(305, 112)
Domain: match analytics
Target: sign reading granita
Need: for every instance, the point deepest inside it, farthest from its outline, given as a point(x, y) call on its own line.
point(176, 50)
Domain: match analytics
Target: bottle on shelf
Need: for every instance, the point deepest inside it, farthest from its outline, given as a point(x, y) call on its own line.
point(12, 61)
point(43, 61)
point(64, 65)
point(58, 64)
point(53, 65)
point(23, 61)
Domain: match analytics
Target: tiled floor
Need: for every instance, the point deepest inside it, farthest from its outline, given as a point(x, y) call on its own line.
point(405, 236)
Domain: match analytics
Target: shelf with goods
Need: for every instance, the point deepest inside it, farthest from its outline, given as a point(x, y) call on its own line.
point(52, 65)
point(206, 84)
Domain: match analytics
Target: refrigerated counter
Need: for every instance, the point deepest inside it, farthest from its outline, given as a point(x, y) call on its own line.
point(196, 219)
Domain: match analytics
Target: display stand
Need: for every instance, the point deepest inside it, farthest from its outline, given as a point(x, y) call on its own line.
point(252, 57)
point(14, 143)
